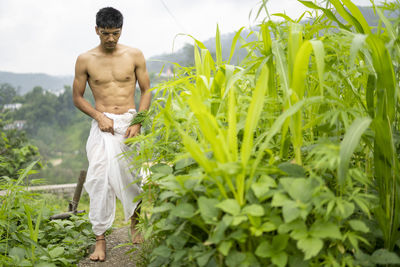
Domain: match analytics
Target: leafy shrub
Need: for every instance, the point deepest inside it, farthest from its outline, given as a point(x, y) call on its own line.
point(29, 238)
point(290, 158)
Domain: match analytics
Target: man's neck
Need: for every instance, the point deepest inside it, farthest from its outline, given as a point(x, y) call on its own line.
point(108, 51)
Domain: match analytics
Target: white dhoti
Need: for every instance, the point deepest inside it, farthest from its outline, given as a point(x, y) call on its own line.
point(108, 174)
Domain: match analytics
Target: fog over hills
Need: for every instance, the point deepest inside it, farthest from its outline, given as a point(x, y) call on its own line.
point(25, 82)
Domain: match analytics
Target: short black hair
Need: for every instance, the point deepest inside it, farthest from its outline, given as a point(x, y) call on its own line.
point(109, 17)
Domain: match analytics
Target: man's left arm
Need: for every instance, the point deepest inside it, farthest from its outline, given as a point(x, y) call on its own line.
point(143, 79)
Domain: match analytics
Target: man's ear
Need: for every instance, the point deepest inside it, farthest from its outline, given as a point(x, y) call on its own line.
point(97, 30)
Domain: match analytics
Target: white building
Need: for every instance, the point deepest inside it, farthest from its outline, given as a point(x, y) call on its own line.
point(19, 125)
point(12, 107)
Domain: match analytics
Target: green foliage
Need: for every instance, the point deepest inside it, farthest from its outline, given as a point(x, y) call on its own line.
point(15, 151)
point(29, 238)
point(7, 94)
point(290, 158)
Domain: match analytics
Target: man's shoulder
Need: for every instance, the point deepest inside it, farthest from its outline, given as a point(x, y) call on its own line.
point(88, 54)
point(131, 50)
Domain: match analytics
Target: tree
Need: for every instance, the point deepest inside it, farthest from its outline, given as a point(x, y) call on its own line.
point(7, 94)
point(15, 151)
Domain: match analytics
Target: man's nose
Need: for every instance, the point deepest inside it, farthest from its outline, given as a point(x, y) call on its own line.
point(110, 37)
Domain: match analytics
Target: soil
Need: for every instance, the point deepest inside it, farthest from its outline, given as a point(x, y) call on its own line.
point(114, 257)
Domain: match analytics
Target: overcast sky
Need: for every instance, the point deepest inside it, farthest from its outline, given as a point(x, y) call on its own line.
point(46, 36)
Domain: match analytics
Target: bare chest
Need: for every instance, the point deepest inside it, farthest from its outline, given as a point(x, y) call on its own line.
point(103, 70)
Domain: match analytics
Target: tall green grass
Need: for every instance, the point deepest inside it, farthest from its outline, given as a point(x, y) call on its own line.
point(289, 158)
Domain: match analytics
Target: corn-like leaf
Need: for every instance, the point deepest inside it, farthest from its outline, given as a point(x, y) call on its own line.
point(281, 65)
point(234, 42)
point(383, 66)
point(294, 43)
point(347, 16)
point(232, 128)
point(279, 122)
point(356, 44)
point(349, 144)
point(357, 15)
point(319, 53)
point(389, 29)
point(300, 69)
point(326, 11)
point(218, 53)
point(253, 115)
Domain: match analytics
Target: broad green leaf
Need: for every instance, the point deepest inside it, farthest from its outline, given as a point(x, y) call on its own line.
point(56, 252)
point(264, 250)
point(224, 247)
point(298, 188)
point(17, 252)
point(280, 259)
point(261, 188)
point(349, 144)
point(290, 211)
point(184, 210)
point(268, 227)
point(161, 168)
point(279, 200)
point(230, 206)
point(292, 170)
point(207, 208)
point(321, 229)
point(279, 242)
point(253, 210)
point(204, 259)
point(162, 251)
point(235, 258)
point(358, 225)
point(219, 232)
point(311, 246)
point(383, 256)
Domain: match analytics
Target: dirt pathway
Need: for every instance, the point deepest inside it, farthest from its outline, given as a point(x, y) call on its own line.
point(114, 257)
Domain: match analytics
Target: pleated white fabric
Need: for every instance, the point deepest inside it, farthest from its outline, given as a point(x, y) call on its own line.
point(108, 174)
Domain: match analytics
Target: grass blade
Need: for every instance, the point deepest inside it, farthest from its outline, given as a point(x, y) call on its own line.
point(349, 144)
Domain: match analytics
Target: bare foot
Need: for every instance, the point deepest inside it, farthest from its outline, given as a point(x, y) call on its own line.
point(99, 253)
point(137, 238)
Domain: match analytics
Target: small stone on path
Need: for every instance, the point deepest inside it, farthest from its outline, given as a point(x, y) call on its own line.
point(114, 257)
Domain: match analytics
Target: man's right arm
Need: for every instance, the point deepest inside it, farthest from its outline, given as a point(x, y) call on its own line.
point(79, 85)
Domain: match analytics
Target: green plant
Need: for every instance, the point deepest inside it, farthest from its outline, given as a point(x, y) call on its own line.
point(289, 158)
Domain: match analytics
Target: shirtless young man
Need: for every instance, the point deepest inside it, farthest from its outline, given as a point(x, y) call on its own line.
point(111, 70)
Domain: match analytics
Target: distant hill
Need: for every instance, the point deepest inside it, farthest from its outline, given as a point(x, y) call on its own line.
point(183, 56)
point(25, 82)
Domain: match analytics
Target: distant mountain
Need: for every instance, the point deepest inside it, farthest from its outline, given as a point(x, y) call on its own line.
point(25, 82)
point(164, 62)
point(184, 56)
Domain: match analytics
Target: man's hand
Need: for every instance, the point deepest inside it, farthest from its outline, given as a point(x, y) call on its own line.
point(132, 131)
point(106, 124)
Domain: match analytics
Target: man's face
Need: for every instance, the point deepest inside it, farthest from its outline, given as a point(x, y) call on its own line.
point(108, 37)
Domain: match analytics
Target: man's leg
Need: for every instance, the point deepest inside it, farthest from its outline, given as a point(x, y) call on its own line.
point(99, 253)
point(136, 236)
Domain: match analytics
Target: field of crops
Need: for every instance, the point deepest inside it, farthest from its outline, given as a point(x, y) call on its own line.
point(290, 158)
